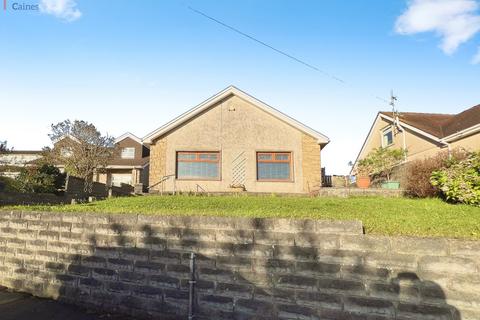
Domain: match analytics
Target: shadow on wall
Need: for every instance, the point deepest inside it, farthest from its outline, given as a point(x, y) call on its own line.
point(239, 276)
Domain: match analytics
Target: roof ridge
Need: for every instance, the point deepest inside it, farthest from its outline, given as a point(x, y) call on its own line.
point(429, 113)
point(440, 124)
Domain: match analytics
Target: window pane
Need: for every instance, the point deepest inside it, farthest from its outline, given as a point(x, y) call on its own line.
point(198, 165)
point(281, 156)
point(205, 170)
point(128, 153)
point(208, 156)
point(273, 171)
point(186, 156)
point(264, 156)
point(387, 138)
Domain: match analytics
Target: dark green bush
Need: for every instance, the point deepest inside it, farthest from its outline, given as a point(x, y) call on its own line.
point(9, 185)
point(41, 179)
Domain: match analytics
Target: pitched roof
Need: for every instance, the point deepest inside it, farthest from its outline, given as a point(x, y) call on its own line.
point(128, 135)
point(440, 125)
point(463, 120)
point(69, 136)
point(231, 90)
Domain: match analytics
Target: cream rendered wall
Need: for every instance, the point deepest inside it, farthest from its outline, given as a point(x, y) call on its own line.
point(471, 143)
point(238, 130)
point(418, 146)
point(13, 159)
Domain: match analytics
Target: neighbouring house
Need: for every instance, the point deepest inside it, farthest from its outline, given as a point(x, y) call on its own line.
point(233, 141)
point(12, 162)
point(423, 134)
point(63, 144)
point(130, 164)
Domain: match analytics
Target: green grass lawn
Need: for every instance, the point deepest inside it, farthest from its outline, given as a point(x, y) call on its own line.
point(387, 216)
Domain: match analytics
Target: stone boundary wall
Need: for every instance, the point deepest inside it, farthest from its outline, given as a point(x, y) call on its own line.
point(247, 268)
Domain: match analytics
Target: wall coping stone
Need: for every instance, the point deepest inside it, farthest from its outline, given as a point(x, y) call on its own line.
point(352, 227)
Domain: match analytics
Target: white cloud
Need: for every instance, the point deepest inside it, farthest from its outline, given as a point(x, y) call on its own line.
point(64, 9)
point(476, 58)
point(455, 21)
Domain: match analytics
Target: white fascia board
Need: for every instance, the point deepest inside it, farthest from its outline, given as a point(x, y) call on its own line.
point(128, 135)
point(321, 139)
point(64, 137)
point(460, 134)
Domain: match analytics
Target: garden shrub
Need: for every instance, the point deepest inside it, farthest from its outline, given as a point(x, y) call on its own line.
point(380, 162)
point(9, 185)
point(460, 180)
point(41, 179)
point(418, 173)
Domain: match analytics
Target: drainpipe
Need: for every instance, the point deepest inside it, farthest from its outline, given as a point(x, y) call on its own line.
point(446, 144)
point(397, 123)
point(191, 293)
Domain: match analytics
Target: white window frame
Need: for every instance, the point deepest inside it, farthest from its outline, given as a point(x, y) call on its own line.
point(125, 155)
point(66, 152)
point(382, 136)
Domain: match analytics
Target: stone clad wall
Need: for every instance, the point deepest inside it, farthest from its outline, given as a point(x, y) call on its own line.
point(311, 164)
point(247, 268)
point(158, 151)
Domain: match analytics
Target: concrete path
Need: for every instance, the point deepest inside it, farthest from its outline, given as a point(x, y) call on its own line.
point(20, 306)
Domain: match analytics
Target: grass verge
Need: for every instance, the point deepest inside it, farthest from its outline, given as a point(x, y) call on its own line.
point(385, 216)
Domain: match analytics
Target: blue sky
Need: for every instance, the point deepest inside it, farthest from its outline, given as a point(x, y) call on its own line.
point(133, 65)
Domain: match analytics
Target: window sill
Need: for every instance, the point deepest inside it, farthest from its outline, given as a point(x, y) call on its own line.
point(197, 179)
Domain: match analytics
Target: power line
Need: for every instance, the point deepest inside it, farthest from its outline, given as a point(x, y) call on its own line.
point(266, 45)
point(308, 65)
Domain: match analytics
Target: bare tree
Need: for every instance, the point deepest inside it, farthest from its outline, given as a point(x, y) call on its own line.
point(81, 148)
point(3, 146)
point(3, 150)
